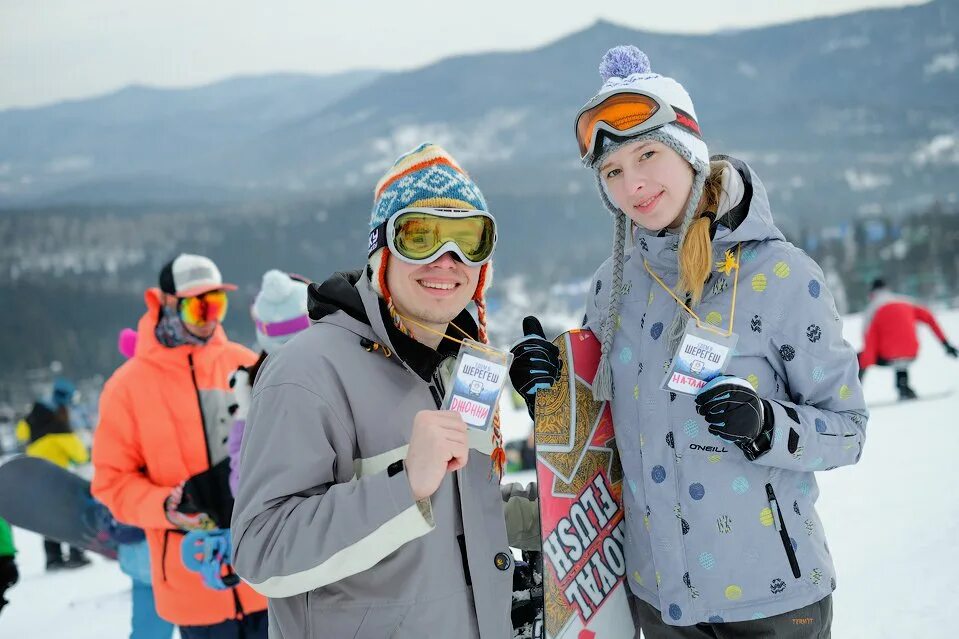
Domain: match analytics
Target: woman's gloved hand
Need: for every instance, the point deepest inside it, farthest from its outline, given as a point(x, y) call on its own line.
point(536, 363)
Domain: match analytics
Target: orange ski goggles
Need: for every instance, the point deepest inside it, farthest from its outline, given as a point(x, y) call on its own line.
point(200, 310)
point(625, 113)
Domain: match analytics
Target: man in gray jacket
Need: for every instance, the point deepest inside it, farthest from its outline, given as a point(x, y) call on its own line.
point(362, 509)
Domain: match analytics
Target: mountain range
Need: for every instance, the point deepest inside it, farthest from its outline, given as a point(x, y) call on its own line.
point(842, 117)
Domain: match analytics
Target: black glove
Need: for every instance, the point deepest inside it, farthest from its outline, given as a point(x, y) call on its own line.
point(950, 349)
point(209, 492)
point(737, 414)
point(536, 363)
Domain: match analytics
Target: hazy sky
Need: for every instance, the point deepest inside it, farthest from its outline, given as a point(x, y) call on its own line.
point(51, 50)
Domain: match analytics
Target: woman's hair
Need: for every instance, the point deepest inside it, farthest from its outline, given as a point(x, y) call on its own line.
point(254, 369)
point(696, 251)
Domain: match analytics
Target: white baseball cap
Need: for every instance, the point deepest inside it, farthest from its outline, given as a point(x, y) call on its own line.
point(189, 275)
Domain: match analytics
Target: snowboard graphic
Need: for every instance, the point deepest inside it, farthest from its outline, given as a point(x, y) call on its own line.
point(580, 502)
point(42, 497)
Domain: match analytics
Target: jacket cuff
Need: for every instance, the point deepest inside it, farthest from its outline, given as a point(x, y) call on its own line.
point(153, 511)
point(772, 444)
point(402, 495)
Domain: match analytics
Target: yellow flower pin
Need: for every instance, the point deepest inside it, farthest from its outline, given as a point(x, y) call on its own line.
point(727, 265)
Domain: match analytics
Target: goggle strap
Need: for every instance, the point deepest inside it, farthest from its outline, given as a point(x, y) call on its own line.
point(687, 122)
point(378, 238)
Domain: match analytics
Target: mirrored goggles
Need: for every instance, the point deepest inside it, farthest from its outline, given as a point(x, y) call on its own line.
point(200, 310)
point(625, 113)
point(422, 235)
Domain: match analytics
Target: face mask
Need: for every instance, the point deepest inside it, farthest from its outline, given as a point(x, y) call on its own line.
point(171, 332)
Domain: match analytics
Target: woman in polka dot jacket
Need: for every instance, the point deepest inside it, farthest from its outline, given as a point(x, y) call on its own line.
point(722, 531)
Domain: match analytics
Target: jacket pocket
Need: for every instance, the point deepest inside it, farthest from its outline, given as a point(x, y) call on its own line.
point(783, 533)
point(163, 552)
point(355, 622)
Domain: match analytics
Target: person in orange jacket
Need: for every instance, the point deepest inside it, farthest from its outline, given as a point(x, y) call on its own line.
point(159, 451)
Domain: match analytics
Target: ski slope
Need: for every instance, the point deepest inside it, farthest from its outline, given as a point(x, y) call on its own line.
point(892, 523)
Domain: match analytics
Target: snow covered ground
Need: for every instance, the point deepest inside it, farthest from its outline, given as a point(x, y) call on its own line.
point(892, 522)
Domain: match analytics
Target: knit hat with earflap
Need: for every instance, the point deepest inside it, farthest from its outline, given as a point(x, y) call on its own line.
point(279, 309)
point(427, 176)
point(626, 67)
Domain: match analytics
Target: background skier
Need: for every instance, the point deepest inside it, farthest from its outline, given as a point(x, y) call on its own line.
point(890, 335)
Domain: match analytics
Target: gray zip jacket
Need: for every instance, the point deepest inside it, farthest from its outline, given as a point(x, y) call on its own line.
point(320, 524)
point(712, 536)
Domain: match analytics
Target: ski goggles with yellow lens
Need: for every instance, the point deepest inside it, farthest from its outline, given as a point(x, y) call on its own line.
point(421, 235)
point(200, 310)
point(625, 113)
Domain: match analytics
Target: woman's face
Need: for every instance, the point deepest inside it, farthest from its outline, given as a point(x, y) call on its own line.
point(649, 182)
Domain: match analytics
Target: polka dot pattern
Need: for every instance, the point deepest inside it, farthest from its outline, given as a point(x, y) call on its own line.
point(740, 485)
point(656, 330)
point(814, 289)
point(766, 517)
point(759, 282)
point(707, 561)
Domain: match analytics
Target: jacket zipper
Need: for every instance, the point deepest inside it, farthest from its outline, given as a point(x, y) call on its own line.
point(166, 537)
point(783, 534)
point(240, 613)
point(199, 401)
point(237, 605)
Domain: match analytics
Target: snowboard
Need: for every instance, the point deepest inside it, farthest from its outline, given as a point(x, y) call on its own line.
point(39, 496)
point(580, 501)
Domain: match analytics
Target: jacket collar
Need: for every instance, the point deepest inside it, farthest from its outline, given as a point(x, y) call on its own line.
point(415, 356)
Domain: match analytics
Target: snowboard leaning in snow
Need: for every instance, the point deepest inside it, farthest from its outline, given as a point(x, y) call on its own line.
point(580, 502)
point(42, 497)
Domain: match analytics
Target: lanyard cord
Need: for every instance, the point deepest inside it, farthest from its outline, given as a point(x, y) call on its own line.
point(471, 344)
point(699, 321)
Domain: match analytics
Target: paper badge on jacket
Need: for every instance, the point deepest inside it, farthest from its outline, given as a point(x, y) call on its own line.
point(478, 380)
point(702, 356)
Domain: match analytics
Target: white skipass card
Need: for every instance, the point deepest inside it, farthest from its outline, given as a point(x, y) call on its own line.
point(702, 356)
point(478, 380)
